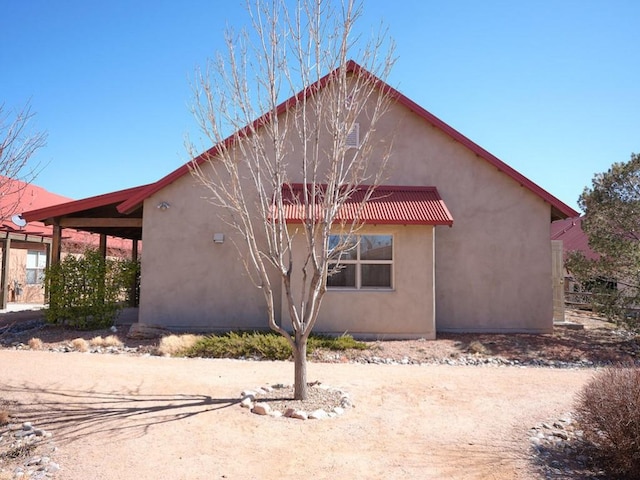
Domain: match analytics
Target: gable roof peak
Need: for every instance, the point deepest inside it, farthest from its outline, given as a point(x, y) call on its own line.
point(558, 208)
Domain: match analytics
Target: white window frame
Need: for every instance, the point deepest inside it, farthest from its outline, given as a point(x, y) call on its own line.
point(40, 266)
point(358, 262)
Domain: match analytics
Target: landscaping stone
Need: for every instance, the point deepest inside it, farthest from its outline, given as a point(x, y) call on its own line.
point(318, 415)
point(19, 441)
point(561, 451)
point(261, 408)
point(142, 331)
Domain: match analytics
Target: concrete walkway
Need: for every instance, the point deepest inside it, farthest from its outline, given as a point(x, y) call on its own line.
point(26, 311)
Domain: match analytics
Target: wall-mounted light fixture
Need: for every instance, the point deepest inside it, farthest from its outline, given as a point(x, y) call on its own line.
point(163, 206)
point(218, 238)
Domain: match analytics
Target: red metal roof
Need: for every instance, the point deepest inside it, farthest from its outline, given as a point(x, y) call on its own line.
point(36, 199)
point(72, 206)
point(559, 208)
point(572, 236)
point(391, 205)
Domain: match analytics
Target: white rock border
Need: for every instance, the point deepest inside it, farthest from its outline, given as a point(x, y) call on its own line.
point(248, 400)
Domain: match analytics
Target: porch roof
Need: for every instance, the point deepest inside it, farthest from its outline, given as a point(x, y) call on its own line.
point(388, 205)
point(98, 214)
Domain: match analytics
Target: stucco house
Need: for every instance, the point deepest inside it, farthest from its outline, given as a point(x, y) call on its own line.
point(461, 245)
point(573, 238)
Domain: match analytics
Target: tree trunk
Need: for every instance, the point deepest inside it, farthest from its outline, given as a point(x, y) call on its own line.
point(300, 366)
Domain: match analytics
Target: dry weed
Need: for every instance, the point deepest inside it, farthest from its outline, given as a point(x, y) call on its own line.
point(176, 344)
point(4, 417)
point(608, 412)
point(80, 344)
point(478, 347)
point(35, 344)
point(110, 341)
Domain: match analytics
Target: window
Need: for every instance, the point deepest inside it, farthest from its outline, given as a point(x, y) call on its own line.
point(366, 262)
point(36, 263)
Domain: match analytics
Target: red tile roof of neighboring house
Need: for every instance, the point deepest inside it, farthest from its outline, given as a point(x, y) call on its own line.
point(391, 205)
point(573, 237)
point(21, 196)
point(32, 198)
point(559, 208)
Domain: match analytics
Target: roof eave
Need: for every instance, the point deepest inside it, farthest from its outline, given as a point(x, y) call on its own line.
point(557, 206)
point(48, 213)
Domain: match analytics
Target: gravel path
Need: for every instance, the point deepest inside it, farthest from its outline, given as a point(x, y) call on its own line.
point(132, 417)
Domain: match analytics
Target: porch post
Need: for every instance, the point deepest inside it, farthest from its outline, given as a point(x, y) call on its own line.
point(56, 244)
point(103, 245)
point(47, 247)
point(133, 293)
point(6, 247)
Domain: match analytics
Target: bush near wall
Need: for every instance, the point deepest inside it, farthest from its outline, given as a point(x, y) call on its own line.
point(88, 291)
point(608, 411)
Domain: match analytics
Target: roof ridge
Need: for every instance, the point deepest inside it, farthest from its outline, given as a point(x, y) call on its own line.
point(353, 67)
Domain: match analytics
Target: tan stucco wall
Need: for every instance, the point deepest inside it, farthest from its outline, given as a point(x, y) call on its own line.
point(492, 268)
point(187, 280)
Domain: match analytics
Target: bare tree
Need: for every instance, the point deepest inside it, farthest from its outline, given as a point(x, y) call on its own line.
point(17, 146)
point(289, 167)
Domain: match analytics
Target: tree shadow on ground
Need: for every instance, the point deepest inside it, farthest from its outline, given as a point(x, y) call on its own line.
point(73, 414)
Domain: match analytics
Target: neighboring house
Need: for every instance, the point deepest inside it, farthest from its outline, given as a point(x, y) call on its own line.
point(574, 239)
point(462, 245)
point(569, 230)
point(29, 245)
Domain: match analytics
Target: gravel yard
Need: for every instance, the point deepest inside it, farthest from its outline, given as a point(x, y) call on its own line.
point(463, 406)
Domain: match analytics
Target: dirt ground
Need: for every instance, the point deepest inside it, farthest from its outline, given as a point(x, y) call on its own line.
point(154, 417)
point(147, 417)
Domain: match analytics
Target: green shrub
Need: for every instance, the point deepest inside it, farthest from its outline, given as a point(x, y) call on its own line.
point(341, 343)
point(608, 411)
point(87, 292)
point(264, 345)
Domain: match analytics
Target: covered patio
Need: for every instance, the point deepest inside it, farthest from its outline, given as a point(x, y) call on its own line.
point(98, 215)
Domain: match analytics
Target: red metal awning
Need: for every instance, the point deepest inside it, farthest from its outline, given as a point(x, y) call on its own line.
point(390, 205)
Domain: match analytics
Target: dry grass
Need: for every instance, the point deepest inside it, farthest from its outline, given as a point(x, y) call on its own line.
point(36, 344)
point(80, 344)
point(478, 347)
point(176, 344)
point(4, 416)
point(110, 341)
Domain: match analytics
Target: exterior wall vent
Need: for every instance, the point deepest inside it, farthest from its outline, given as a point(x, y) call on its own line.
point(353, 139)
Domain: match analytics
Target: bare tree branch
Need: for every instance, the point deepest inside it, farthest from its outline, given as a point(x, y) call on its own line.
point(263, 147)
point(18, 144)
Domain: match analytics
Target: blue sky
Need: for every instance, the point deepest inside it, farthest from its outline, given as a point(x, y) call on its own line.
point(548, 86)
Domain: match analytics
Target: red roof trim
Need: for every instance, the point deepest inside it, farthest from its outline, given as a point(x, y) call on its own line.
point(353, 67)
point(133, 202)
point(388, 205)
point(80, 205)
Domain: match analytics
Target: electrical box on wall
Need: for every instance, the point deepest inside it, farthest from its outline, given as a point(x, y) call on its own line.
point(218, 238)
